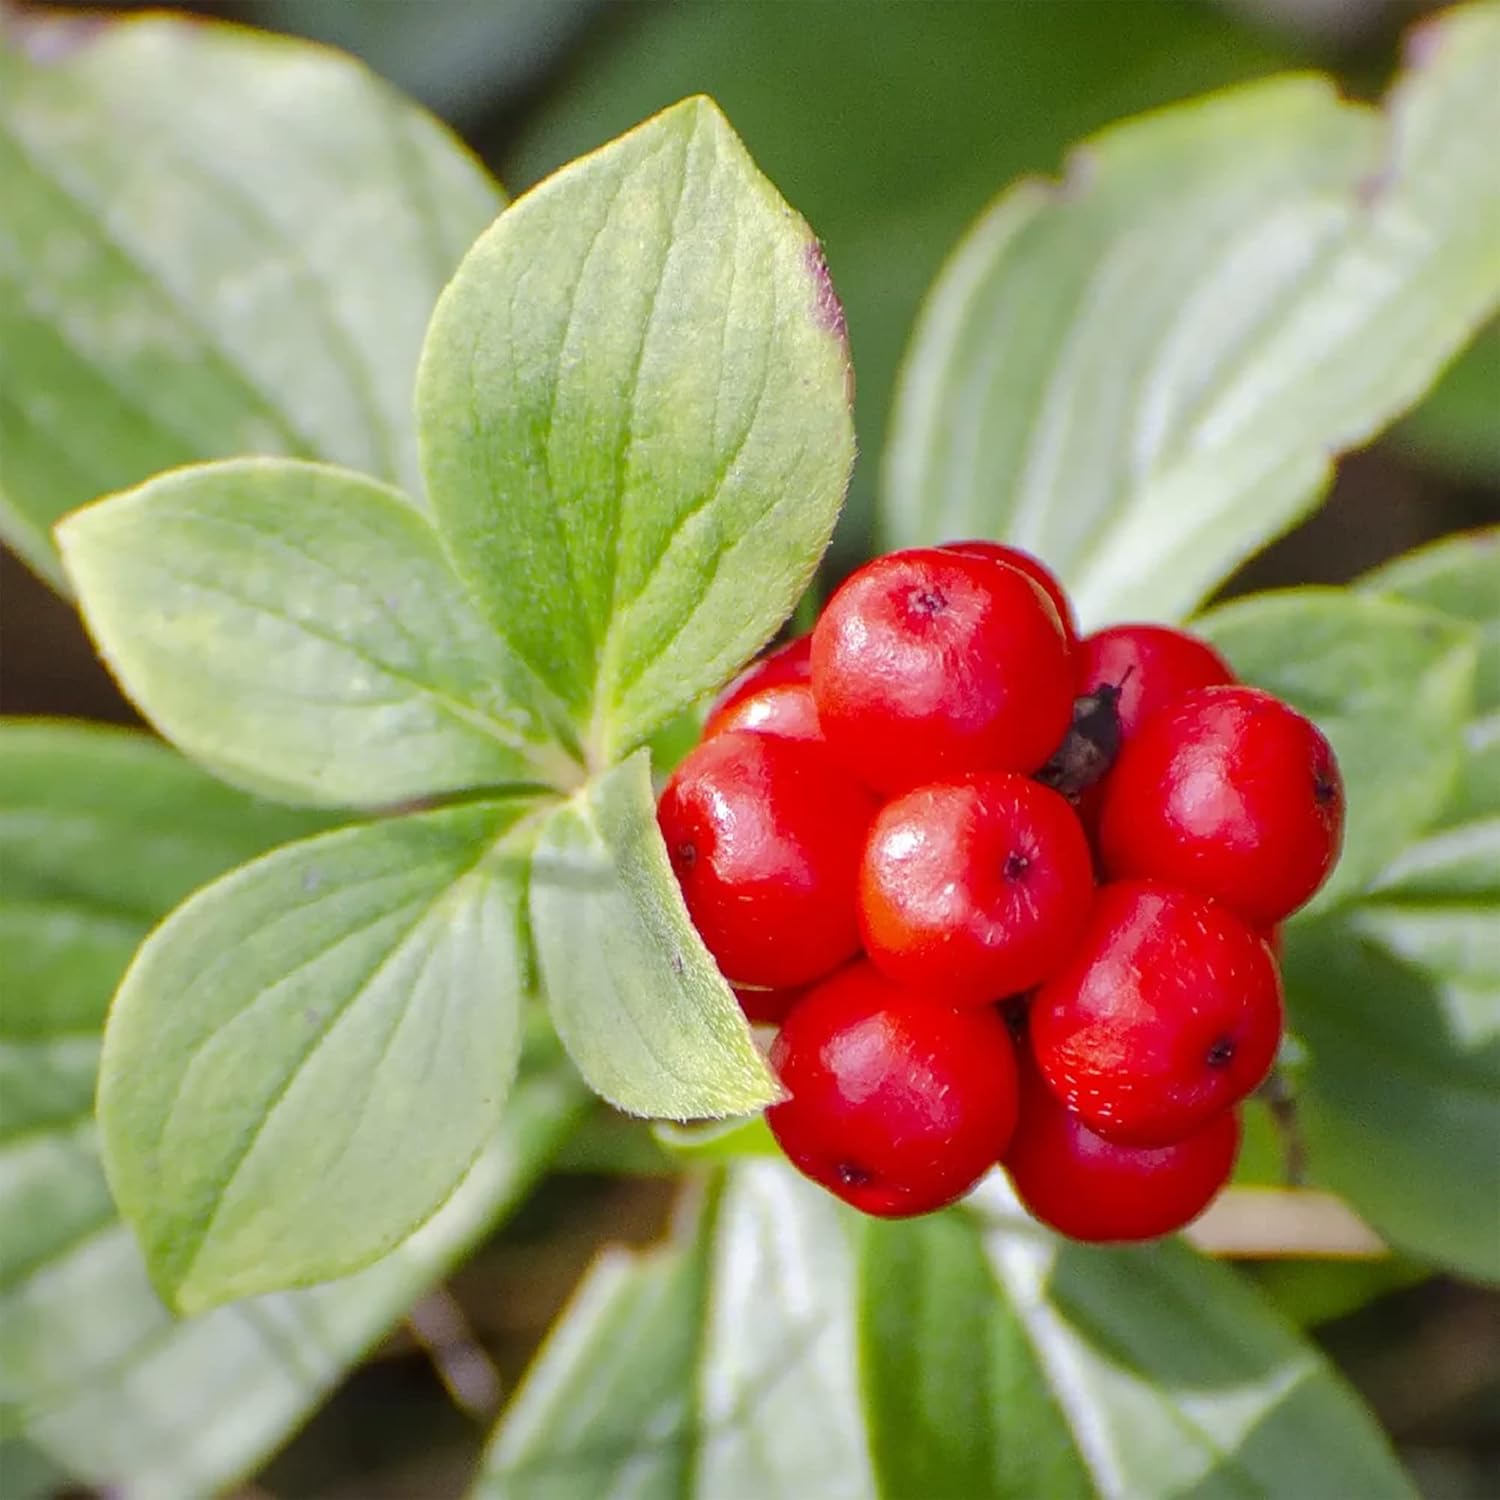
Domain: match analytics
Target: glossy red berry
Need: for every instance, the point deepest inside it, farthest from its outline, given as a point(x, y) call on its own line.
point(1033, 567)
point(1168, 1012)
point(1150, 666)
point(765, 835)
point(974, 889)
point(789, 662)
point(927, 664)
point(1091, 1188)
point(766, 1007)
point(783, 708)
point(1229, 792)
point(895, 1103)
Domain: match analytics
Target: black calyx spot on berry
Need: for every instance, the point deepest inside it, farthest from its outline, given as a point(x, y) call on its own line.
point(1013, 1012)
point(851, 1174)
point(1091, 744)
point(1016, 866)
point(1221, 1054)
point(685, 856)
point(1325, 790)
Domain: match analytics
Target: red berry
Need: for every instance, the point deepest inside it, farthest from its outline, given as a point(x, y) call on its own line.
point(927, 664)
point(790, 662)
point(1091, 1188)
point(766, 1007)
point(764, 835)
point(784, 708)
point(1150, 665)
point(1033, 567)
point(896, 1103)
point(1229, 792)
point(974, 889)
point(1168, 1012)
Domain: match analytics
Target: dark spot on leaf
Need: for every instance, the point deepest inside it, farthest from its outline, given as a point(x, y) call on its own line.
point(677, 964)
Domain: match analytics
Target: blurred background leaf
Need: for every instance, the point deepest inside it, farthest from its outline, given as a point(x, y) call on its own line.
point(1393, 974)
point(213, 243)
point(101, 832)
point(784, 1347)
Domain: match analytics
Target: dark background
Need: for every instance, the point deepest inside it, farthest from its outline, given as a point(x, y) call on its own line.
point(889, 124)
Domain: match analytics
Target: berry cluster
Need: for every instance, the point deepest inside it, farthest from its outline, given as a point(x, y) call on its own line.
point(1010, 895)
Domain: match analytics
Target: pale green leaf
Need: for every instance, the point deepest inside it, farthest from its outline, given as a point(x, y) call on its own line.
point(1142, 372)
point(214, 242)
point(636, 997)
point(302, 1062)
point(1391, 685)
point(1455, 427)
point(1398, 1001)
point(109, 823)
point(722, 1366)
point(100, 832)
point(1398, 995)
point(893, 150)
point(297, 629)
point(719, 1140)
point(1460, 576)
point(970, 1355)
point(1393, 980)
point(633, 404)
point(101, 1377)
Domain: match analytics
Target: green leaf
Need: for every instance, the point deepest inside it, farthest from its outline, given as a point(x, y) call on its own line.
point(636, 997)
point(1393, 974)
point(635, 424)
point(1393, 980)
point(723, 1366)
point(617, 1390)
point(1313, 1292)
point(1460, 576)
point(305, 1058)
point(100, 832)
point(1390, 684)
point(1142, 372)
point(297, 629)
point(98, 1375)
point(1398, 1001)
point(214, 242)
point(108, 824)
point(719, 1140)
point(967, 1355)
point(955, 1410)
point(1455, 427)
point(948, 102)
